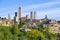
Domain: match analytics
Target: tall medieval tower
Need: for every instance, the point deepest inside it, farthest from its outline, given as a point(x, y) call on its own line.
point(19, 12)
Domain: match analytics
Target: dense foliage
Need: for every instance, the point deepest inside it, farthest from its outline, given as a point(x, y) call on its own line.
point(15, 33)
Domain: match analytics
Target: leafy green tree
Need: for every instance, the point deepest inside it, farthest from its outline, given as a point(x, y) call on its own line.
point(41, 27)
point(15, 31)
point(21, 23)
point(48, 34)
point(35, 35)
point(5, 33)
point(1, 35)
point(58, 36)
point(21, 34)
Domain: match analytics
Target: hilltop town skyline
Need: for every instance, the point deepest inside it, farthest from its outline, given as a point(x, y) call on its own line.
point(29, 19)
point(50, 8)
point(32, 14)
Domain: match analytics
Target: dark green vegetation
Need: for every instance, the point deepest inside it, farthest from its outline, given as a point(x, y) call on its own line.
point(15, 33)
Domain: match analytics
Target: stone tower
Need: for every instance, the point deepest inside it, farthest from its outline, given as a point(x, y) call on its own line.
point(34, 15)
point(45, 16)
point(31, 15)
point(9, 17)
point(19, 12)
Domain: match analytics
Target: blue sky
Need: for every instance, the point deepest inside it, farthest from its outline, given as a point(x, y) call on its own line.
point(51, 8)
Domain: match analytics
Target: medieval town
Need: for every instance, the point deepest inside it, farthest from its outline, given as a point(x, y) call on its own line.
point(31, 21)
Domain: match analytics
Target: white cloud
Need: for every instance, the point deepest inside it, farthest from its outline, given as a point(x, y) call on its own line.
point(41, 5)
point(52, 13)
